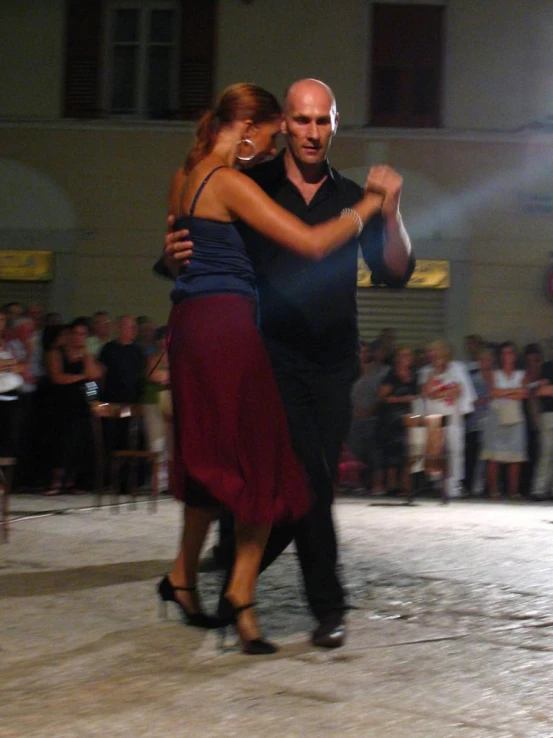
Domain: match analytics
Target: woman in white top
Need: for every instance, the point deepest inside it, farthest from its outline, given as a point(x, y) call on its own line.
point(505, 437)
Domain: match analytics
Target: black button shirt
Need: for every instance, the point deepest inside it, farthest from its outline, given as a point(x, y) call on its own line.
point(311, 305)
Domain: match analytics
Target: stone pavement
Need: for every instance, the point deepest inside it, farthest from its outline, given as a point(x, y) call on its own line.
point(452, 636)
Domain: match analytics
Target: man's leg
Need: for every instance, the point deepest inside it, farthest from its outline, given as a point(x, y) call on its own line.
point(315, 535)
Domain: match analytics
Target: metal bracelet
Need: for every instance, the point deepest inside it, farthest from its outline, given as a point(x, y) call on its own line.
point(350, 212)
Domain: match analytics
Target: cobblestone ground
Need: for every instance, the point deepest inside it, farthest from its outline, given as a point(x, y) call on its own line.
point(451, 635)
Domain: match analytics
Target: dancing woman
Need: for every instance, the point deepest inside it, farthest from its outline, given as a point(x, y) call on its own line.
point(231, 437)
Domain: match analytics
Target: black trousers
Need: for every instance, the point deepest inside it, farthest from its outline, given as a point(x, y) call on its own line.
point(317, 404)
point(472, 457)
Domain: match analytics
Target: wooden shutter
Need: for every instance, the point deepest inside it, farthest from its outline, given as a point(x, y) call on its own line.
point(407, 52)
point(83, 59)
point(83, 81)
point(197, 57)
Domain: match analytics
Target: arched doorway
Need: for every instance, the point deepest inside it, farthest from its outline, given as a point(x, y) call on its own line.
point(37, 215)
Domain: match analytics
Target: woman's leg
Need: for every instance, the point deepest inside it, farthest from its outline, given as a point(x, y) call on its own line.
point(250, 545)
point(493, 492)
point(513, 479)
point(405, 474)
point(184, 573)
point(391, 478)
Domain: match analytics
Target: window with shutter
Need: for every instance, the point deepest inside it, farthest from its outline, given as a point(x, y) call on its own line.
point(83, 59)
point(407, 53)
point(139, 58)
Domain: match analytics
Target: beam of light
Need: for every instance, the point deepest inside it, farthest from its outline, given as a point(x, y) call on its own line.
point(458, 209)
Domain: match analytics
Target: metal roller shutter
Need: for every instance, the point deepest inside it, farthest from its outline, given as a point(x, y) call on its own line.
point(25, 292)
point(416, 315)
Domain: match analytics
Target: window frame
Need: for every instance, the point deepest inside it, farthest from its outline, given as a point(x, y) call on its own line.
point(140, 91)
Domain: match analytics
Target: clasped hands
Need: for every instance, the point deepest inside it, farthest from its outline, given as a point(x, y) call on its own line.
point(386, 182)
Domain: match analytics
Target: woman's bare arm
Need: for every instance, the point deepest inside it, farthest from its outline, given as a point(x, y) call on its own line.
point(236, 196)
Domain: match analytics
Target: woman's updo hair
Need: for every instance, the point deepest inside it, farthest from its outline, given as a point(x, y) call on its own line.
point(242, 101)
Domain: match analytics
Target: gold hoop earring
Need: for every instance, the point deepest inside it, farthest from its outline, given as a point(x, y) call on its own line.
point(246, 142)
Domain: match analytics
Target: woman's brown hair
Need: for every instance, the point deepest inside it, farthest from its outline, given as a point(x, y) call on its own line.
point(242, 101)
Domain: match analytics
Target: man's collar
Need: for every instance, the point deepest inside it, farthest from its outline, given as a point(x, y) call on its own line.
point(281, 164)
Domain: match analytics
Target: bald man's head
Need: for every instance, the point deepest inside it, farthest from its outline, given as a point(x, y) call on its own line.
point(310, 87)
point(310, 121)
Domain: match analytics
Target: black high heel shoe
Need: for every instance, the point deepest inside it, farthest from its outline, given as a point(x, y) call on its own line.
point(166, 592)
point(252, 646)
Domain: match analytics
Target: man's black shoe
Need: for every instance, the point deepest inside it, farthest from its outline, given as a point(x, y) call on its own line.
point(331, 631)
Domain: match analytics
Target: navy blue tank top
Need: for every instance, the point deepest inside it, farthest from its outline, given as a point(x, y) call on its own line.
point(219, 261)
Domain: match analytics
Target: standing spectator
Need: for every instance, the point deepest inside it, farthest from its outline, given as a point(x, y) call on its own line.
point(397, 393)
point(26, 351)
point(155, 405)
point(448, 392)
point(69, 368)
point(388, 339)
point(146, 335)
point(506, 436)
point(46, 439)
point(53, 319)
point(533, 363)
point(12, 311)
point(473, 346)
point(36, 313)
point(123, 381)
point(482, 382)
point(542, 484)
point(11, 381)
point(100, 329)
point(364, 400)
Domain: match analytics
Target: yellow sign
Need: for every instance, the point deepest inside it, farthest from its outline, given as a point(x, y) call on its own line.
point(429, 274)
point(26, 266)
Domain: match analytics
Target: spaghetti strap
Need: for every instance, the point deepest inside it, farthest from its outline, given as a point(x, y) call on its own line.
point(201, 187)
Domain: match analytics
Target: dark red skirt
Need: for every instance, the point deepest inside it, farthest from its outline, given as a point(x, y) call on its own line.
point(231, 435)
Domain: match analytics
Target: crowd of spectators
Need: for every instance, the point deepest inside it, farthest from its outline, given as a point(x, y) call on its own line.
point(496, 405)
point(51, 373)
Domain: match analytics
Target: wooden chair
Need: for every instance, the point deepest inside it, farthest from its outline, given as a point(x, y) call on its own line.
point(131, 455)
point(7, 466)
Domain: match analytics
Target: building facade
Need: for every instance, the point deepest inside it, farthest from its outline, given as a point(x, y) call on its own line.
point(98, 98)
